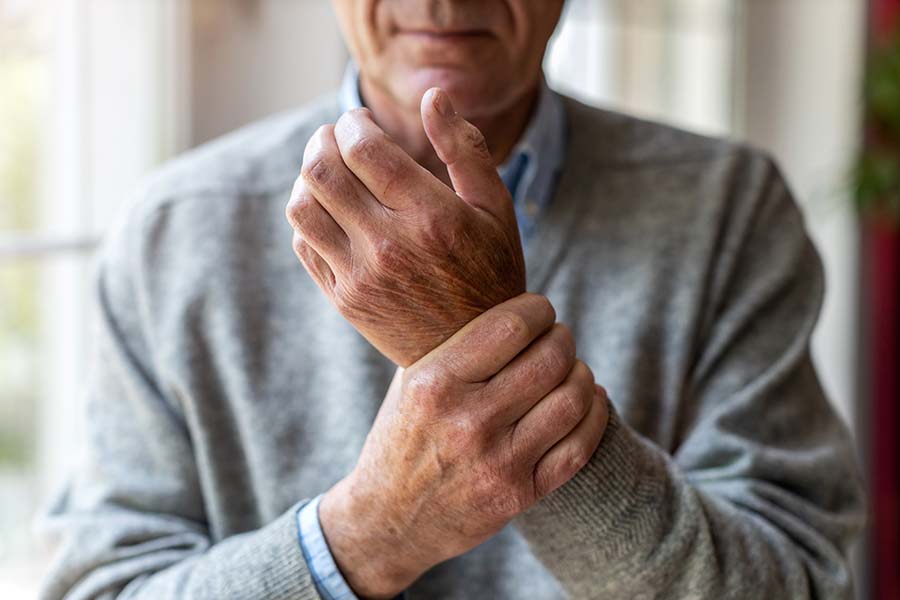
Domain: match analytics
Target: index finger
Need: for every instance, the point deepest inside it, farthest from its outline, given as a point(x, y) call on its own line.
point(393, 177)
point(493, 339)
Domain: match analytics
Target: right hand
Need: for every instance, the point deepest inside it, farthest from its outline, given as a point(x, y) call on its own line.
point(406, 259)
point(468, 437)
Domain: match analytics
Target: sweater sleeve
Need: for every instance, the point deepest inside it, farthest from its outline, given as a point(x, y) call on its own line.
point(761, 496)
point(132, 523)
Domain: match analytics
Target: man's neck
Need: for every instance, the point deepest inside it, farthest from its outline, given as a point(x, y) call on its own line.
point(502, 130)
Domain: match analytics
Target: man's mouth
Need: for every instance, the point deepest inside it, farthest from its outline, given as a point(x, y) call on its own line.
point(444, 35)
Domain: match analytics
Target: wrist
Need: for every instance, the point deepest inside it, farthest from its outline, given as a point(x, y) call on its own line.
point(365, 546)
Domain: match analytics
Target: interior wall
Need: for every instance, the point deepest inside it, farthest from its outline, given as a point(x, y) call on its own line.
point(665, 60)
point(252, 58)
point(802, 70)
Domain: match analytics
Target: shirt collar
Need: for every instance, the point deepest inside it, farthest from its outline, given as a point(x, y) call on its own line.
point(533, 167)
point(349, 97)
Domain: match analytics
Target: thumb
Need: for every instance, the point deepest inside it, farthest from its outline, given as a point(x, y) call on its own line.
point(462, 147)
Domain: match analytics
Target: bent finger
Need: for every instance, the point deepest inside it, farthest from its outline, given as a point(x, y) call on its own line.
point(315, 265)
point(573, 452)
point(336, 187)
point(317, 227)
point(531, 375)
point(390, 174)
point(556, 415)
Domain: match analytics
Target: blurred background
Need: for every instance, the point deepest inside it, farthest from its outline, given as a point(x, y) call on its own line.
point(95, 93)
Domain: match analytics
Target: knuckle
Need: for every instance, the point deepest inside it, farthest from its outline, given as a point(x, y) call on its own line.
point(438, 230)
point(543, 307)
point(427, 385)
point(566, 339)
point(579, 454)
point(554, 364)
point(299, 245)
point(320, 138)
point(543, 482)
point(510, 326)
point(349, 122)
point(364, 148)
point(316, 169)
point(431, 233)
point(464, 432)
point(604, 394)
point(583, 377)
point(299, 209)
point(292, 212)
point(572, 405)
point(356, 115)
point(558, 357)
point(324, 131)
point(388, 256)
point(577, 458)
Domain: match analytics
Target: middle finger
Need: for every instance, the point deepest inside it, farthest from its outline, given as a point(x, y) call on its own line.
point(336, 187)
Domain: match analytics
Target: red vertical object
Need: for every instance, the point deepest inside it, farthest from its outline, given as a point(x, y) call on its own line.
point(881, 252)
point(884, 16)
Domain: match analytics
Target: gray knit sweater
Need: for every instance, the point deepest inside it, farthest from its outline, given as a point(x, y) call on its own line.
point(226, 391)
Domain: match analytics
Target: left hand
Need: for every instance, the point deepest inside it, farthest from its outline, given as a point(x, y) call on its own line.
point(467, 438)
point(407, 260)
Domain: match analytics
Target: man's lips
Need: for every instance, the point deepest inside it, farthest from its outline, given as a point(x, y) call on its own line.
point(446, 35)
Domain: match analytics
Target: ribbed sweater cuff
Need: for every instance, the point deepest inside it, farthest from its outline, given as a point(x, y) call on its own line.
point(274, 551)
point(618, 497)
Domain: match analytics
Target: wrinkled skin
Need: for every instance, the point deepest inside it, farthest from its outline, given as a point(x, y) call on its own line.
point(405, 258)
point(467, 438)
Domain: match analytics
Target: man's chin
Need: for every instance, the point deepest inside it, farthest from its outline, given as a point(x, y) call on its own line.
point(473, 94)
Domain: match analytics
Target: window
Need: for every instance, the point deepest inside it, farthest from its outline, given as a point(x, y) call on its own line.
point(89, 103)
point(24, 79)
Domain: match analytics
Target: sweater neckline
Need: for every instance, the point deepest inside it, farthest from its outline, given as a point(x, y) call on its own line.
point(551, 238)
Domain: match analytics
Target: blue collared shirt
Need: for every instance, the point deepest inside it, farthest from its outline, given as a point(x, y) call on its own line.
point(530, 175)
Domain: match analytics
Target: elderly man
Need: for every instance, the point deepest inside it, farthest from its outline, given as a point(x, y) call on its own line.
point(246, 440)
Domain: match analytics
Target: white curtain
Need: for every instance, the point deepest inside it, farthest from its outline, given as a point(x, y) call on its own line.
point(665, 59)
point(118, 89)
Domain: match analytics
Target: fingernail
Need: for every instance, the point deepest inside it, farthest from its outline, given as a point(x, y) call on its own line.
point(442, 104)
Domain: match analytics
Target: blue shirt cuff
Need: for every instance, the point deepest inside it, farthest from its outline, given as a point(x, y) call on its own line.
point(325, 573)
